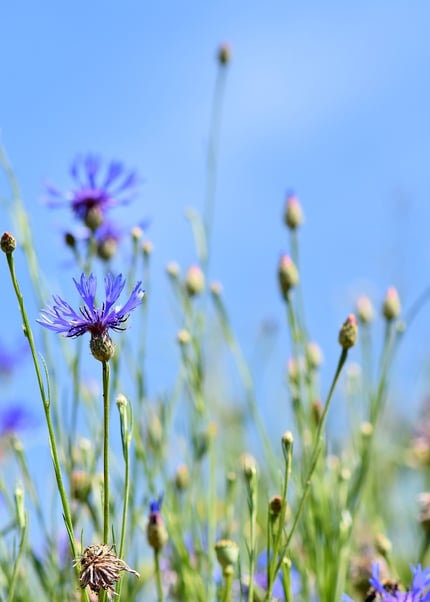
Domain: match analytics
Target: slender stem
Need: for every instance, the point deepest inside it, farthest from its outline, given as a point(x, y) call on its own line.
point(315, 455)
point(46, 406)
point(12, 586)
point(228, 582)
point(158, 576)
point(105, 451)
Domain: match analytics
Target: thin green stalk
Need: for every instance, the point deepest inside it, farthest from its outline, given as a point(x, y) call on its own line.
point(228, 582)
point(315, 455)
point(46, 402)
point(22, 522)
point(212, 502)
point(271, 570)
point(158, 580)
point(126, 434)
point(105, 451)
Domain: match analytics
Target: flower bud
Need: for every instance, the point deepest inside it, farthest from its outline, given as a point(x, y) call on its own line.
point(147, 248)
point(364, 309)
point(275, 506)
point(194, 281)
point(224, 54)
point(136, 233)
point(391, 306)
point(216, 289)
point(383, 545)
point(293, 216)
point(424, 513)
point(102, 347)
point(107, 248)
point(173, 269)
point(348, 332)
point(227, 553)
point(182, 477)
point(94, 218)
point(183, 337)
point(287, 274)
point(70, 240)
point(8, 243)
point(314, 356)
point(249, 466)
point(80, 485)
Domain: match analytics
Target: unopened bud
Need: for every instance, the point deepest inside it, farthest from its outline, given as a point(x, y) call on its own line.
point(8, 243)
point(275, 506)
point(391, 305)
point(348, 332)
point(182, 477)
point(364, 309)
point(314, 356)
point(80, 485)
point(249, 466)
point(227, 553)
point(194, 280)
point(93, 218)
point(216, 289)
point(224, 54)
point(383, 545)
point(183, 337)
point(287, 274)
point(107, 248)
point(70, 240)
point(147, 248)
point(173, 269)
point(293, 215)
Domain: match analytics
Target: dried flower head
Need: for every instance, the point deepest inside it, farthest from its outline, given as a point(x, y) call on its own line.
point(61, 318)
point(101, 569)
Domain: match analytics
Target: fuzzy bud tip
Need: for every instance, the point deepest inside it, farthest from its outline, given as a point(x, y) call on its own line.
point(348, 332)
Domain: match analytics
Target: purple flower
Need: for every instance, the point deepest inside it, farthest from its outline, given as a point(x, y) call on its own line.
point(9, 359)
point(94, 191)
point(14, 418)
point(419, 591)
point(62, 318)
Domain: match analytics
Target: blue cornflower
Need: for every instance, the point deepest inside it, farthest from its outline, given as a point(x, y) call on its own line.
point(13, 419)
point(95, 193)
point(62, 318)
point(419, 592)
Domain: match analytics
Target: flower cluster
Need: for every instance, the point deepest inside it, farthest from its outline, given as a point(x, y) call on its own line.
point(390, 592)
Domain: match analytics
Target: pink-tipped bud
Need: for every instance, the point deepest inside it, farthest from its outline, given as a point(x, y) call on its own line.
point(348, 332)
point(194, 280)
point(391, 305)
point(8, 243)
point(287, 274)
point(364, 309)
point(293, 215)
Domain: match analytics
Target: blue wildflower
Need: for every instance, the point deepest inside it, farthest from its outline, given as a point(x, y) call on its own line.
point(419, 591)
point(13, 419)
point(95, 193)
point(62, 318)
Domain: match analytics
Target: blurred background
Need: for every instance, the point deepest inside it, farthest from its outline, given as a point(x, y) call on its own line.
point(327, 99)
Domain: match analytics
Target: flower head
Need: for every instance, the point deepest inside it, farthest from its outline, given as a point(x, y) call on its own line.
point(389, 591)
point(100, 568)
point(62, 318)
point(95, 191)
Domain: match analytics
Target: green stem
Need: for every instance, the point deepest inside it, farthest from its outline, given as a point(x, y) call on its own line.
point(228, 582)
point(315, 454)
point(16, 565)
point(46, 407)
point(105, 452)
point(158, 576)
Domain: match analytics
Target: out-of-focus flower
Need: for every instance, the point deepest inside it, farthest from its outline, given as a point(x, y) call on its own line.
point(100, 568)
point(389, 591)
point(62, 318)
point(391, 307)
point(14, 418)
point(10, 358)
point(97, 188)
point(156, 531)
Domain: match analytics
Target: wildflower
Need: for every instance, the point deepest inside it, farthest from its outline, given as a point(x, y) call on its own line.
point(156, 531)
point(13, 419)
point(390, 592)
point(61, 318)
point(94, 194)
point(101, 569)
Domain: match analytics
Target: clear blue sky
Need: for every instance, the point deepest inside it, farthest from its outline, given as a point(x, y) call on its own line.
point(330, 98)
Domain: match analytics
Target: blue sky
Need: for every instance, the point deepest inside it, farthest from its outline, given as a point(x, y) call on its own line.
point(329, 98)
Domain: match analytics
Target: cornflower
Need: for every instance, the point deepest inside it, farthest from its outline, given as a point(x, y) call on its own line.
point(94, 194)
point(389, 592)
point(62, 318)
